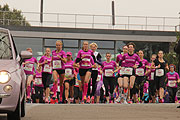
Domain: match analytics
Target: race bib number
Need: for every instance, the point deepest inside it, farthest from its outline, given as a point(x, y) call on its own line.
point(159, 72)
point(128, 71)
point(58, 89)
point(38, 81)
point(47, 68)
point(28, 67)
point(86, 62)
point(122, 71)
point(152, 76)
point(171, 83)
point(140, 72)
point(68, 73)
point(56, 64)
point(98, 78)
point(77, 83)
point(108, 72)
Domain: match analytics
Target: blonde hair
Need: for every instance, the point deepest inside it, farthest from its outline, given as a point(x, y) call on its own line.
point(94, 44)
point(59, 41)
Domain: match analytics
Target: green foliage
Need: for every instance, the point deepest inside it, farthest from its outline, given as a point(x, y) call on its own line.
point(12, 17)
point(172, 58)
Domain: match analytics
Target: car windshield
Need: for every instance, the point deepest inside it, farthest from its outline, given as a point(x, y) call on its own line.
point(5, 46)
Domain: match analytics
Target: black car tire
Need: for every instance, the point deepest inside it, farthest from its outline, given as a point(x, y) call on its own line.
point(16, 115)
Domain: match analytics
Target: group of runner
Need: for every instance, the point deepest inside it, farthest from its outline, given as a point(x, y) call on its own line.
point(86, 79)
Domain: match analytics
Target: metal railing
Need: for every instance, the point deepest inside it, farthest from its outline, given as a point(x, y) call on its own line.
point(95, 21)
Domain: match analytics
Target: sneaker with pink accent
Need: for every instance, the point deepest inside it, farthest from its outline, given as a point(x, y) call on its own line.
point(88, 99)
point(130, 102)
point(92, 99)
point(46, 100)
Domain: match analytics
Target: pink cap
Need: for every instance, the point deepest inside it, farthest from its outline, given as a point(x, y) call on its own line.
point(69, 53)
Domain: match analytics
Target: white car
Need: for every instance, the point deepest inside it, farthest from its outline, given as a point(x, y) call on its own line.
point(12, 77)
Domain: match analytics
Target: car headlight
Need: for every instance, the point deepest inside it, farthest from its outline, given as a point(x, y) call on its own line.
point(4, 77)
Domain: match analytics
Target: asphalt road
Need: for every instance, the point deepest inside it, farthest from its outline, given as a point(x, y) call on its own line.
point(101, 112)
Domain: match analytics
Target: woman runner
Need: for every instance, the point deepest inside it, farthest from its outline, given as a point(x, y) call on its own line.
point(130, 64)
point(29, 71)
point(86, 62)
point(58, 62)
point(161, 65)
point(45, 62)
point(108, 76)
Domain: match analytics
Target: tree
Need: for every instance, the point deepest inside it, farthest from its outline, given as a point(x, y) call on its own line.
point(12, 17)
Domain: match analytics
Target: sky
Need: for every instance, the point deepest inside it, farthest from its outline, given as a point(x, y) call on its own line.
point(158, 8)
point(123, 7)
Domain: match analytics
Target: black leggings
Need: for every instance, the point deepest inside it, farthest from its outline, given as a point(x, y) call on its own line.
point(94, 76)
point(139, 85)
point(172, 94)
point(152, 88)
point(46, 78)
point(39, 93)
point(109, 82)
point(77, 93)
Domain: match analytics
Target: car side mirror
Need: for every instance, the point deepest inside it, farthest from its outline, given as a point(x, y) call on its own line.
point(26, 55)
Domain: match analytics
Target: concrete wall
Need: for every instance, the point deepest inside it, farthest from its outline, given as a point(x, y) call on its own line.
point(92, 34)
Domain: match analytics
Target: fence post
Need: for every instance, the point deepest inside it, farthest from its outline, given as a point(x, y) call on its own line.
point(146, 22)
point(128, 22)
point(93, 22)
point(164, 23)
point(75, 20)
point(57, 19)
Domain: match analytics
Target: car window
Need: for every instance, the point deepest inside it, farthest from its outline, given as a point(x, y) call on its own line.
point(5, 46)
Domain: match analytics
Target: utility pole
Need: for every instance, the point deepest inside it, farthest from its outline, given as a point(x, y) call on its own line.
point(41, 12)
point(113, 13)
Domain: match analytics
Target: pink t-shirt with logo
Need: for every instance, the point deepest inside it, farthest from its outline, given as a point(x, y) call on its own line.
point(87, 61)
point(46, 67)
point(151, 74)
point(29, 67)
point(143, 67)
point(171, 78)
point(69, 69)
point(38, 79)
point(108, 68)
point(57, 63)
point(130, 60)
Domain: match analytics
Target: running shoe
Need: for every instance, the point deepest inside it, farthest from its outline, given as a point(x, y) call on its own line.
point(130, 102)
point(157, 100)
point(60, 100)
point(71, 100)
point(46, 100)
point(54, 97)
point(28, 100)
point(82, 102)
point(88, 99)
point(107, 102)
point(66, 101)
point(160, 101)
point(118, 100)
point(125, 102)
point(92, 99)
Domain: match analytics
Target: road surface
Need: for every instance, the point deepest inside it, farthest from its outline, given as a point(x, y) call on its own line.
point(101, 112)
